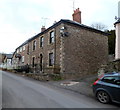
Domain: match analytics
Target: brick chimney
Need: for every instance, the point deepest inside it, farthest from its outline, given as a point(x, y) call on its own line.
point(77, 15)
point(43, 28)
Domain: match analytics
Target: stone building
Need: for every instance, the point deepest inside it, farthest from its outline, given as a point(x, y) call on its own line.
point(7, 63)
point(67, 47)
point(2, 57)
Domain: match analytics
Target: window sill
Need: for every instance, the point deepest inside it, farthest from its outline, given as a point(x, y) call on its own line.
point(41, 47)
point(50, 66)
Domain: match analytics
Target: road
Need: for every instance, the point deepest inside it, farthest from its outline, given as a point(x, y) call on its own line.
point(21, 92)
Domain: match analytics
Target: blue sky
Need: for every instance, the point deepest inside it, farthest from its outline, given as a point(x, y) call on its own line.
point(22, 19)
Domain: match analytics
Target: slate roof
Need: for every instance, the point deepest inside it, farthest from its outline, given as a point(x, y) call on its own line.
point(68, 22)
point(117, 22)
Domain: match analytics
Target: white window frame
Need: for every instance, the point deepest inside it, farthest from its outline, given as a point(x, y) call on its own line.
point(51, 62)
point(23, 47)
point(41, 41)
point(20, 49)
point(17, 50)
point(52, 37)
point(23, 59)
point(34, 44)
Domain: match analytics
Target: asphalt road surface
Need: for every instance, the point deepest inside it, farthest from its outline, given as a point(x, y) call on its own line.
point(21, 92)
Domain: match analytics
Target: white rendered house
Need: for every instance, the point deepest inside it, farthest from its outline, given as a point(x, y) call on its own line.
point(117, 30)
point(117, 45)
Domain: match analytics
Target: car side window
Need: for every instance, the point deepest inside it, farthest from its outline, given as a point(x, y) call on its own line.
point(112, 80)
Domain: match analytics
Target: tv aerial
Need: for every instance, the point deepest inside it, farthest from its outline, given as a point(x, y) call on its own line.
point(44, 20)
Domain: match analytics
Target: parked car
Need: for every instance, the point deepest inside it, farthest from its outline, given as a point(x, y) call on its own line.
point(107, 88)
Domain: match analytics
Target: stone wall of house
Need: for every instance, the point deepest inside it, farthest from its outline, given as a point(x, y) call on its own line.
point(84, 51)
point(23, 53)
point(45, 50)
point(81, 53)
point(20, 58)
point(118, 66)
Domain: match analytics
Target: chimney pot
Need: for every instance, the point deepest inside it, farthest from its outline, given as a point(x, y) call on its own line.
point(43, 28)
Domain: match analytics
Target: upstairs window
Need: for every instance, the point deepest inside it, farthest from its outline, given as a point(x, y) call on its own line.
point(23, 59)
point(17, 50)
point(52, 37)
point(24, 47)
point(51, 59)
point(41, 41)
point(28, 49)
point(34, 45)
point(20, 49)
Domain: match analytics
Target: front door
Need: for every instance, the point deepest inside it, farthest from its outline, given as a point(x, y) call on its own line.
point(41, 62)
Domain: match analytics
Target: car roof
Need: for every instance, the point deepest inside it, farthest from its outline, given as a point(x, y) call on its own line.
point(112, 74)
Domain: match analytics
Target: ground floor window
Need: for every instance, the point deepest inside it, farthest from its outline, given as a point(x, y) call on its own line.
point(51, 59)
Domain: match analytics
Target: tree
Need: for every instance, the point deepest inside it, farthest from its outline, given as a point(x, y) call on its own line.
point(111, 41)
point(99, 26)
point(2, 55)
point(111, 37)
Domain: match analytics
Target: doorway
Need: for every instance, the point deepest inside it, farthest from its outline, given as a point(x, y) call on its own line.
point(41, 62)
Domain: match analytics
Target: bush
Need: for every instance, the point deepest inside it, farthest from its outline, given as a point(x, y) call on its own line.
point(55, 77)
point(24, 68)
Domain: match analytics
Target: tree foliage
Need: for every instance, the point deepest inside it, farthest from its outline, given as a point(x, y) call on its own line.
point(111, 41)
point(111, 37)
point(2, 55)
point(99, 26)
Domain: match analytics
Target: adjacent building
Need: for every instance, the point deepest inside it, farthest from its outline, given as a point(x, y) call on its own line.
point(117, 30)
point(117, 45)
point(7, 63)
point(2, 56)
point(67, 47)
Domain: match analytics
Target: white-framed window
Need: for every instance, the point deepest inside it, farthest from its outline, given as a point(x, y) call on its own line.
point(41, 41)
point(34, 45)
point(23, 59)
point(17, 50)
point(51, 59)
point(28, 49)
point(33, 61)
point(24, 47)
point(20, 49)
point(52, 37)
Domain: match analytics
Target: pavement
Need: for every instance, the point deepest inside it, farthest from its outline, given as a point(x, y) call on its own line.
point(81, 85)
